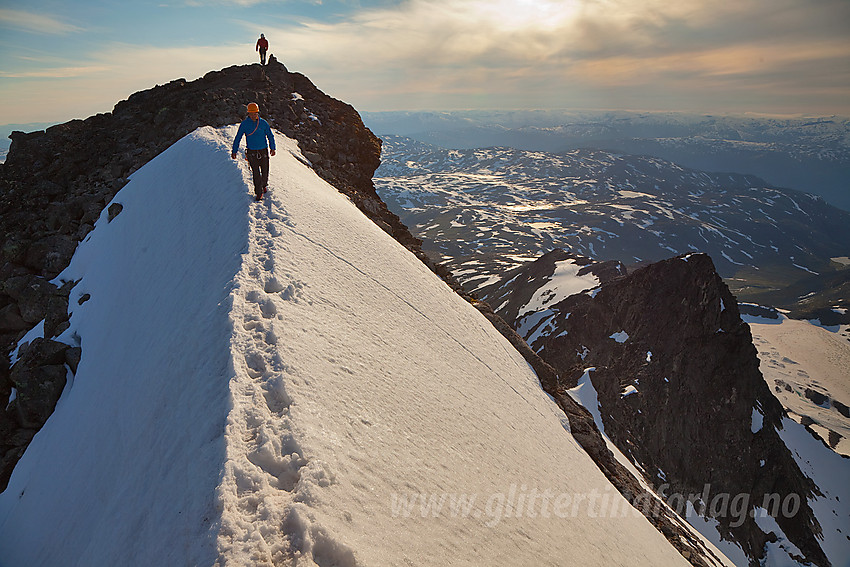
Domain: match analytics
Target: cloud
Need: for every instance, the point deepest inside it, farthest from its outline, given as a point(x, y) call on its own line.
point(36, 23)
point(435, 49)
point(777, 56)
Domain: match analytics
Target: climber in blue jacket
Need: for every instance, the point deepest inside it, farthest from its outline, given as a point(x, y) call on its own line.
point(256, 132)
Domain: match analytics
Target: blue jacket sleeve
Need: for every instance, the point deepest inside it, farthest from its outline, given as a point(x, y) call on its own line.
point(270, 136)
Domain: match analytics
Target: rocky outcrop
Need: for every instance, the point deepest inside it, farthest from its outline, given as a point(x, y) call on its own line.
point(523, 282)
point(55, 183)
point(681, 394)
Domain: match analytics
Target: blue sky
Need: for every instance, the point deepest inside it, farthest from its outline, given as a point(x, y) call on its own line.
point(62, 59)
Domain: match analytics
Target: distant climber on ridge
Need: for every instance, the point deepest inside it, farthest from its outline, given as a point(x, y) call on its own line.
point(262, 47)
point(256, 132)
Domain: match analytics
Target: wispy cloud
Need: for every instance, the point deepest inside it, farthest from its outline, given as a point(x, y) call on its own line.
point(777, 56)
point(36, 23)
point(431, 48)
point(54, 73)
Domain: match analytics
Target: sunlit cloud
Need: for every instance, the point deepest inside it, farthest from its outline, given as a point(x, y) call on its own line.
point(745, 61)
point(751, 55)
point(35, 23)
point(577, 48)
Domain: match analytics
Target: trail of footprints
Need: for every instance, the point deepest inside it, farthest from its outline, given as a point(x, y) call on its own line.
point(270, 526)
point(269, 436)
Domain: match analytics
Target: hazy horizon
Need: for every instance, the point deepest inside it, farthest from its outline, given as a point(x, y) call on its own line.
point(6, 129)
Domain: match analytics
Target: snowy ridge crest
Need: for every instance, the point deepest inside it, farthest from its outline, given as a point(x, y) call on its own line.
point(260, 380)
point(268, 480)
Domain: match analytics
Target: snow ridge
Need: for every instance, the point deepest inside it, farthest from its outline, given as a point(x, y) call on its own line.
point(282, 383)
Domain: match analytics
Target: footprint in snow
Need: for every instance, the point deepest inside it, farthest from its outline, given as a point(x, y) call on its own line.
point(283, 464)
point(256, 364)
point(252, 323)
point(289, 292)
point(292, 292)
point(268, 308)
point(273, 285)
point(271, 338)
point(277, 399)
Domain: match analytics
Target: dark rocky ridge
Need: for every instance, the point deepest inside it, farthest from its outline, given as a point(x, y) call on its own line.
point(55, 183)
point(689, 422)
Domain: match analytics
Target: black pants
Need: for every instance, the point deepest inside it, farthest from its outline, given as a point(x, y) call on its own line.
point(259, 162)
point(262, 56)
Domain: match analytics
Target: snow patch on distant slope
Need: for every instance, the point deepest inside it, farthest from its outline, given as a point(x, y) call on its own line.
point(620, 336)
point(564, 282)
point(757, 421)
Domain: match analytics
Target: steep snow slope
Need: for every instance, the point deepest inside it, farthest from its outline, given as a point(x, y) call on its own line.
point(282, 383)
point(125, 470)
point(807, 368)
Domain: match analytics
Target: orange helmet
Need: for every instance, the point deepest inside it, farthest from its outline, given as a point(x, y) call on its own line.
point(252, 107)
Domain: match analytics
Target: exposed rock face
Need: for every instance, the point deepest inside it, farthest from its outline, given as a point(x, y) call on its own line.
point(680, 391)
point(55, 183)
point(524, 282)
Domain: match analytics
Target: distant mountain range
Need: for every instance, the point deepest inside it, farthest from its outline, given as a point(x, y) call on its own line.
point(807, 154)
point(486, 211)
